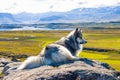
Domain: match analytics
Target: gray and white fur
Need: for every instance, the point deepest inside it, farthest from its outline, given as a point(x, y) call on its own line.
point(61, 51)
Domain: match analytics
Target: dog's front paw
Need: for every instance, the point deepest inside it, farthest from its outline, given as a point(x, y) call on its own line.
point(76, 58)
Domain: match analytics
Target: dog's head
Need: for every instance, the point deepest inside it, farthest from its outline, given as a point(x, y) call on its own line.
point(79, 37)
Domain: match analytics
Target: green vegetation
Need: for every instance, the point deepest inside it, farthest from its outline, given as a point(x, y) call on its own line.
point(111, 58)
point(15, 43)
point(27, 42)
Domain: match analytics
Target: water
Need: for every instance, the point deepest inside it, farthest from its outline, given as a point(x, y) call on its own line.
point(56, 26)
point(32, 28)
point(5, 29)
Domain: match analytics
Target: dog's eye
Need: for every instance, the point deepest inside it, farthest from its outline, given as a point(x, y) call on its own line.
point(80, 36)
point(79, 40)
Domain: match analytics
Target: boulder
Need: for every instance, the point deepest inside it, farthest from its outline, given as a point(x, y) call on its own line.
point(84, 69)
point(10, 67)
point(4, 61)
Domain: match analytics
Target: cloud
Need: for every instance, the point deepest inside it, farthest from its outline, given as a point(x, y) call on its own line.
point(99, 3)
point(51, 7)
point(14, 4)
point(81, 3)
point(40, 6)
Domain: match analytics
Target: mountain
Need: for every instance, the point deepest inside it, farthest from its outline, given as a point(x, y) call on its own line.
point(25, 17)
point(101, 14)
point(7, 18)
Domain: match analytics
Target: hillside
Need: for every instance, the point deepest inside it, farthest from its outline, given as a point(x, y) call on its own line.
point(7, 18)
point(101, 14)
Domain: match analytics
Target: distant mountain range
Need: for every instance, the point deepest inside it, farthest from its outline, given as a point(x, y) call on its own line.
point(7, 18)
point(102, 14)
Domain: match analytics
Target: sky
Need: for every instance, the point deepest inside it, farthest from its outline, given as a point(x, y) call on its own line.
point(41, 6)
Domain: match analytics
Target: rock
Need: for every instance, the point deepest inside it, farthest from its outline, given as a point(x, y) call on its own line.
point(1, 69)
point(4, 61)
point(15, 59)
point(78, 70)
point(10, 67)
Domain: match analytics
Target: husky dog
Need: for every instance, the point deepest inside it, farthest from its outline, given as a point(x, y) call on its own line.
point(63, 50)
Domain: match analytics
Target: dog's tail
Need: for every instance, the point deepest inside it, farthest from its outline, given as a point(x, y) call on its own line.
point(32, 62)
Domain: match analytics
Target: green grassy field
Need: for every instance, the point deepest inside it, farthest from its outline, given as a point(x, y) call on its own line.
point(14, 43)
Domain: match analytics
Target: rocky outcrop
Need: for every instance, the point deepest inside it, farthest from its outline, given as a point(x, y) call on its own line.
point(3, 63)
point(83, 69)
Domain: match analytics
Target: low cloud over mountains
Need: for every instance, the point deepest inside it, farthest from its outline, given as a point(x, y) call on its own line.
point(101, 14)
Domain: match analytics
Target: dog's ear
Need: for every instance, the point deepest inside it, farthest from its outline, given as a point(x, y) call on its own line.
point(76, 30)
point(80, 30)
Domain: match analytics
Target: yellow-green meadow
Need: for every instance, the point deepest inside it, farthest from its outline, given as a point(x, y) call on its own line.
point(104, 44)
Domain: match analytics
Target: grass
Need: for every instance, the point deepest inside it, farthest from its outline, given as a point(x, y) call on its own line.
point(27, 42)
point(114, 61)
point(105, 39)
point(32, 42)
point(92, 55)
